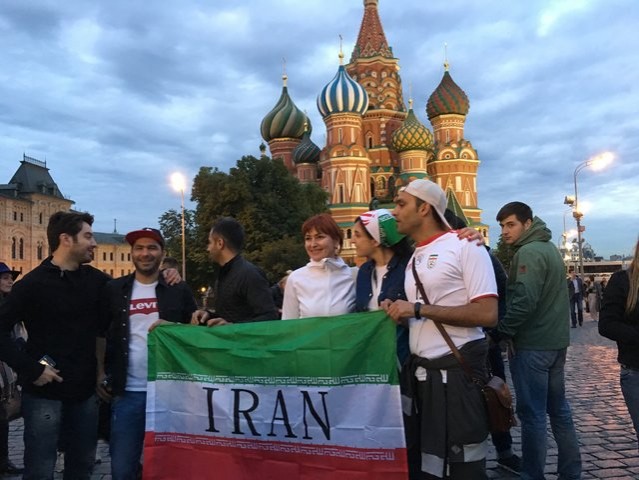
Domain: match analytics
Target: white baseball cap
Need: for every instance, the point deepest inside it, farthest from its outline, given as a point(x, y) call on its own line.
point(431, 193)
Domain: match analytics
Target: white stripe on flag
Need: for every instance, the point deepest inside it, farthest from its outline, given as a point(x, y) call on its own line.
point(296, 414)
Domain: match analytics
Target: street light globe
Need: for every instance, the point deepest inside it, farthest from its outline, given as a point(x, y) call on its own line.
point(601, 161)
point(178, 182)
point(585, 207)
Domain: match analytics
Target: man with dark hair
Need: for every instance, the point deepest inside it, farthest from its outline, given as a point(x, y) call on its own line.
point(242, 293)
point(132, 306)
point(58, 302)
point(536, 325)
point(459, 292)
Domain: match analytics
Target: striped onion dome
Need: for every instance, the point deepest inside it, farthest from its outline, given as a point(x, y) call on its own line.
point(285, 120)
point(412, 135)
point(447, 98)
point(342, 95)
point(306, 151)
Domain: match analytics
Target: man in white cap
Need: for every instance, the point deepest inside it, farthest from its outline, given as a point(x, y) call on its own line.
point(459, 292)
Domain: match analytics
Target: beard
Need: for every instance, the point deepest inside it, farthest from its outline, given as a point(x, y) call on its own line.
point(148, 268)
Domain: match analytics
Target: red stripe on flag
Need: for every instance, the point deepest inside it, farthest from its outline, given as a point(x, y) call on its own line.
point(173, 455)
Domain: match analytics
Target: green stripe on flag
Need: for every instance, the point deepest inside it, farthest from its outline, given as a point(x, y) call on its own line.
point(348, 349)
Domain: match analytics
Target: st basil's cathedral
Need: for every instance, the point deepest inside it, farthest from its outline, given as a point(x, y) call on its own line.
point(374, 145)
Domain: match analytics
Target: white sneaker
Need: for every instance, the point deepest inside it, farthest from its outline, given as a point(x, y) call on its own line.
point(59, 463)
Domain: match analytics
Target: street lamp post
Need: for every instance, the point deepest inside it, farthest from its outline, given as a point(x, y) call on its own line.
point(179, 184)
point(598, 162)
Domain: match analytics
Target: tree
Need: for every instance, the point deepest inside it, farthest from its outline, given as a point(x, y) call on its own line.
point(267, 200)
point(198, 268)
point(504, 253)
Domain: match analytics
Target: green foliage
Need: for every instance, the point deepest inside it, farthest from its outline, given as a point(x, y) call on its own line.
point(266, 199)
point(504, 253)
point(198, 269)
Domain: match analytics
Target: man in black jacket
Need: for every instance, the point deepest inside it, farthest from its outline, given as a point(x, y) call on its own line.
point(58, 302)
point(242, 293)
point(133, 306)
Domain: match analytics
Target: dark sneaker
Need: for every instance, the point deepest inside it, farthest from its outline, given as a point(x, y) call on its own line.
point(512, 463)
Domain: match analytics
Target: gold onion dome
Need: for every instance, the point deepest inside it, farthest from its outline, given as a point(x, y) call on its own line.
point(285, 120)
point(412, 135)
point(306, 151)
point(447, 98)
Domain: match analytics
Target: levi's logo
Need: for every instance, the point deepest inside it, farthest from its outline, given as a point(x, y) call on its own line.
point(522, 269)
point(144, 306)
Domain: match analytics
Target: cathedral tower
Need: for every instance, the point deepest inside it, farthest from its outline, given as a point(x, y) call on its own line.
point(344, 161)
point(373, 66)
point(455, 163)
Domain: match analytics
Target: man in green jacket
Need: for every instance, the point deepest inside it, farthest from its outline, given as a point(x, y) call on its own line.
point(536, 322)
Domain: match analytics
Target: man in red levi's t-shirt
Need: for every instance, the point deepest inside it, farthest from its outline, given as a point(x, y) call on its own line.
point(134, 305)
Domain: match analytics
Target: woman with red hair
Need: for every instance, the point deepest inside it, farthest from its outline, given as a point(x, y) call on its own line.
point(325, 285)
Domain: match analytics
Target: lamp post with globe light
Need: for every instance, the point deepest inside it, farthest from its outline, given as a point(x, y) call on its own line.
point(178, 182)
point(596, 163)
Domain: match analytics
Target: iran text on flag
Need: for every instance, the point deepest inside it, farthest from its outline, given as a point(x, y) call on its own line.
point(301, 399)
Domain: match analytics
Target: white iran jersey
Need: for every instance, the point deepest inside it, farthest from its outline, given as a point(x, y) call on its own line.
point(454, 272)
point(143, 311)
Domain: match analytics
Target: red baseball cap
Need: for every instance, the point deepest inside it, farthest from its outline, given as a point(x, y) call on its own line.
point(146, 232)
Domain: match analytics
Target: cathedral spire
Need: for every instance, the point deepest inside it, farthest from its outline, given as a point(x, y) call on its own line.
point(371, 40)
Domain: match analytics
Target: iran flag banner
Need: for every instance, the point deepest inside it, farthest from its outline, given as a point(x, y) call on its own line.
point(314, 398)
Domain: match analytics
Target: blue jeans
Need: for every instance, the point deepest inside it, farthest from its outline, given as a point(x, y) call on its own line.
point(577, 301)
point(629, 380)
point(44, 419)
point(538, 377)
point(128, 421)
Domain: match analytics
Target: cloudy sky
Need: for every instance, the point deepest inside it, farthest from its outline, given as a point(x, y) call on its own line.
point(116, 95)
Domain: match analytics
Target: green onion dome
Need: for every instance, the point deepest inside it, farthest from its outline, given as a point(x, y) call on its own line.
point(285, 120)
point(412, 135)
point(306, 151)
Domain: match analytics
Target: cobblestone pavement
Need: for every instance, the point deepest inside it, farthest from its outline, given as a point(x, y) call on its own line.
point(608, 441)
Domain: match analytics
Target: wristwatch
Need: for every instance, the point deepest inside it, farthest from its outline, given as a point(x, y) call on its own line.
point(418, 307)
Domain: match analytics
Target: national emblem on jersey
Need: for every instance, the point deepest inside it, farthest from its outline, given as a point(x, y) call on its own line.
point(432, 260)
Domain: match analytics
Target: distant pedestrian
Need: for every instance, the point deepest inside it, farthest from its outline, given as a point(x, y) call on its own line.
point(619, 321)
point(277, 291)
point(8, 384)
point(576, 297)
point(595, 294)
point(170, 262)
point(536, 328)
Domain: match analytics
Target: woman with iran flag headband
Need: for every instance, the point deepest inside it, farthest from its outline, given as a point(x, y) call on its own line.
point(375, 237)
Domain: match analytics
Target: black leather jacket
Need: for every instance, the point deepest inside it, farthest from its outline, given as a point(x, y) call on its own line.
point(175, 303)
